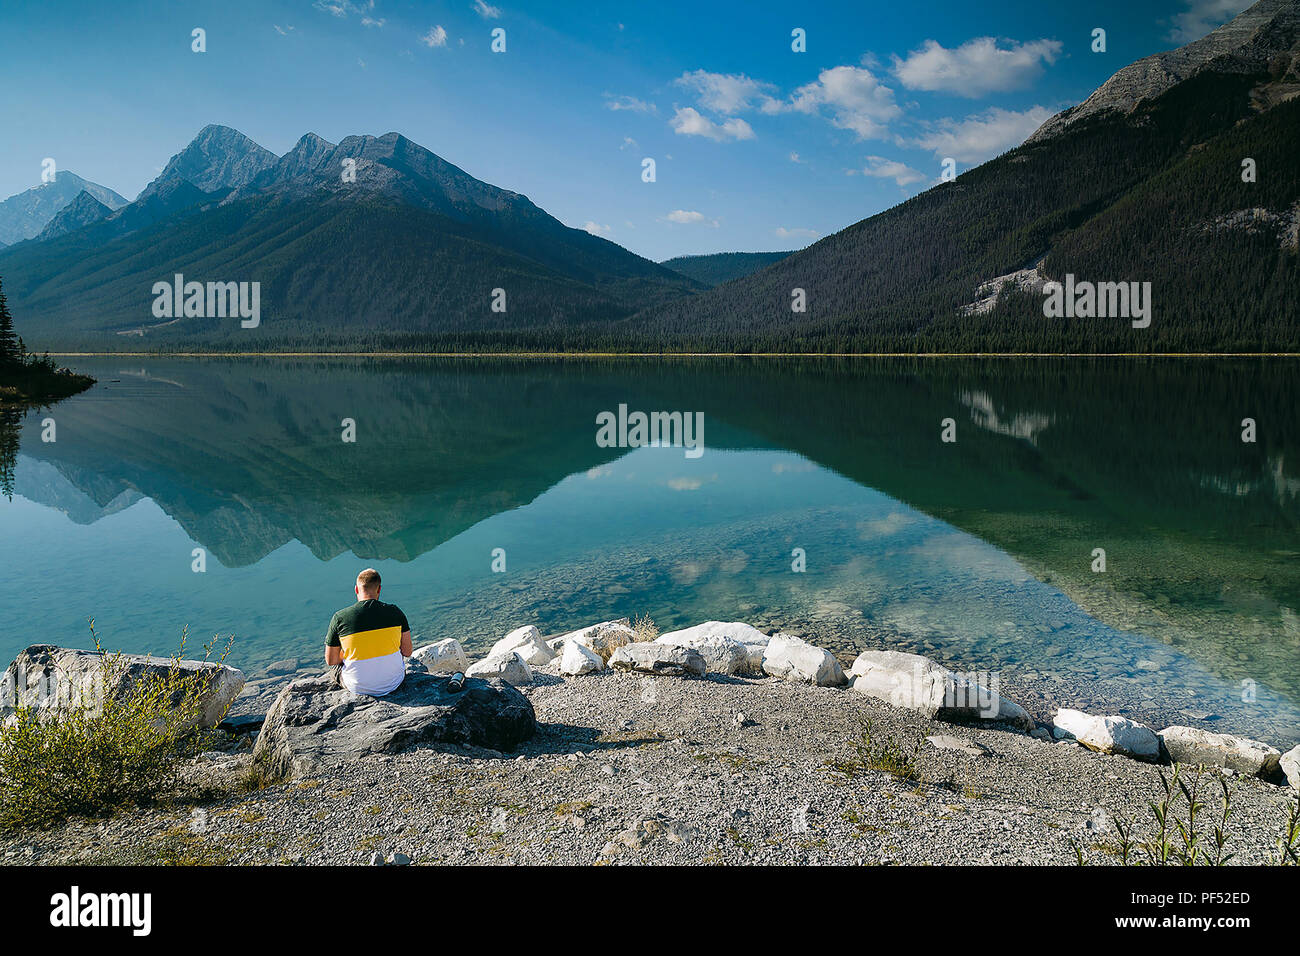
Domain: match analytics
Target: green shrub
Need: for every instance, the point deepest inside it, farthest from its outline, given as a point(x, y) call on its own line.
point(101, 755)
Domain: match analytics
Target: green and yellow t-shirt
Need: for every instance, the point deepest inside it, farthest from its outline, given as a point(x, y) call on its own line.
point(370, 633)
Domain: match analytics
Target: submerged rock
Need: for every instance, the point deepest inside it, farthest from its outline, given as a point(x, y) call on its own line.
point(46, 676)
point(528, 644)
point(915, 682)
point(510, 667)
point(794, 659)
point(725, 646)
point(652, 658)
point(1195, 746)
point(315, 723)
point(1109, 735)
point(442, 657)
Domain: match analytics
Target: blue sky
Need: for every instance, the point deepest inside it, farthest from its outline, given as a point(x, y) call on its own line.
point(756, 147)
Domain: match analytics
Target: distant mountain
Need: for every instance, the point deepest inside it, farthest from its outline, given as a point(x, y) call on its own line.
point(24, 216)
point(721, 267)
point(1150, 188)
point(218, 158)
point(82, 211)
point(367, 239)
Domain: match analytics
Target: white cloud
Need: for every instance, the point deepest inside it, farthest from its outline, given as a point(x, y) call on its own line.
point(437, 36)
point(372, 22)
point(283, 31)
point(882, 168)
point(596, 229)
point(796, 233)
point(486, 10)
point(689, 122)
point(344, 8)
point(794, 157)
point(629, 143)
point(688, 217)
point(982, 135)
point(629, 103)
point(727, 93)
point(852, 96)
point(976, 67)
point(1202, 16)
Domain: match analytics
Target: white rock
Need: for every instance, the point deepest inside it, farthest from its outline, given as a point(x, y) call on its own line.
point(1110, 735)
point(655, 658)
point(577, 659)
point(723, 645)
point(792, 658)
point(510, 667)
point(1290, 764)
point(1195, 746)
point(754, 657)
point(968, 747)
point(527, 642)
point(603, 638)
point(914, 682)
point(442, 657)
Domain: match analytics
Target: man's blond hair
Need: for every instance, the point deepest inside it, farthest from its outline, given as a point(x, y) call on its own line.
point(368, 580)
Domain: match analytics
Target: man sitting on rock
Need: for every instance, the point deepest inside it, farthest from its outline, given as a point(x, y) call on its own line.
point(368, 643)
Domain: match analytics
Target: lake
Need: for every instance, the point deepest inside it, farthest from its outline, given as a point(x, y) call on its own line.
point(479, 490)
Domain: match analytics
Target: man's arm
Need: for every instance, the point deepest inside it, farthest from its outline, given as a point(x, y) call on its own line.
point(333, 646)
point(406, 644)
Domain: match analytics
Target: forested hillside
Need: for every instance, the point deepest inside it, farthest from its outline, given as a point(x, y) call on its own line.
point(719, 267)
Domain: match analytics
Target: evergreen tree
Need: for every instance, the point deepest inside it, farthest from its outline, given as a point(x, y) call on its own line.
point(11, 352)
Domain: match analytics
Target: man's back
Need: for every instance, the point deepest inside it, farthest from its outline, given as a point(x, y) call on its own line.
point(370, 636)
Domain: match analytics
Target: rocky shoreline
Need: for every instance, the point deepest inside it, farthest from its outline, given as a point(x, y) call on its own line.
point(715, 744)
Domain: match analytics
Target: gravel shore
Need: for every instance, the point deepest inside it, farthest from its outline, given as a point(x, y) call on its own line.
point(636, 769)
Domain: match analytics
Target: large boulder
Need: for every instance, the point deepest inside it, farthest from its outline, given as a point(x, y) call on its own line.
point(45, 676)
point(314, 723)
point(603, 638)
point(577, 659)
point(653, 658)
point(917, 683)
point(1290, 765)
point(722, 644)
point(442, 657)
point(527, 642)
point(794, 659)
point(1195, 746)
point(509, 667)
point(1108, 735)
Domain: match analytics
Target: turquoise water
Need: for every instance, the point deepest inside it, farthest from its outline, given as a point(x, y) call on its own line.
point(979, 552)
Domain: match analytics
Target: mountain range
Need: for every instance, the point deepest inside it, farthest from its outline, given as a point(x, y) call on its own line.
point(1179, 171)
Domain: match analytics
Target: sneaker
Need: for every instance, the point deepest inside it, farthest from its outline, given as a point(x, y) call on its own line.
point(456, 683)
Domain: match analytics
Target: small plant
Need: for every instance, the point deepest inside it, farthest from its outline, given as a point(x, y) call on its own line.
point(644, 630)
point(122, 749)
point(1288, 845)
point(887, 755)
point(1179, 840)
